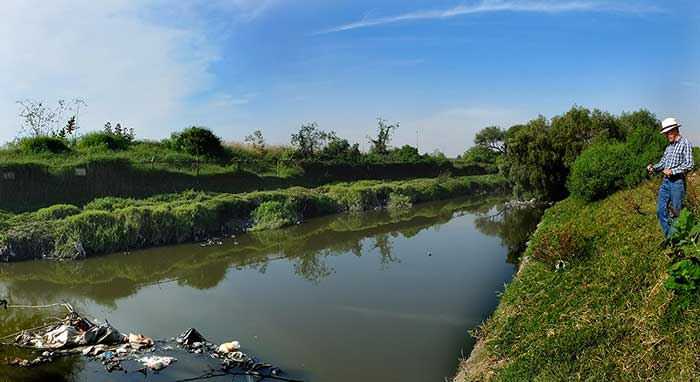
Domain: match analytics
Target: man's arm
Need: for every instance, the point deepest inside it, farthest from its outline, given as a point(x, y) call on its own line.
point(686, 163)
point(659, 166)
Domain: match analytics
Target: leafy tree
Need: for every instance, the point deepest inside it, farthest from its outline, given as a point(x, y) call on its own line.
point(384, 131)
point(256, 140)
point(406, 154)
point(197, 141)
point(339, 149)
point(480, 154)
point(533, 162)
point(309, 140)
point(492, 138)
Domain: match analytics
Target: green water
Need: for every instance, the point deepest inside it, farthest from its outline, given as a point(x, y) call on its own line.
point(376, 296)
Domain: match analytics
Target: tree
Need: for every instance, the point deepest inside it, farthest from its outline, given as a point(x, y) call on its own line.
point(480, 154)
point(492, 138)
point(198, 141)
point(256, 140)
point(39, 120)
point(384, 131)
point(309, 140)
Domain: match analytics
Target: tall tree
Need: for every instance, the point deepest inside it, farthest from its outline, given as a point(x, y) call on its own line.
point(492, 138)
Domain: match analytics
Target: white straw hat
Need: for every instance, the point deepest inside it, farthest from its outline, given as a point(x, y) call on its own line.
point(669, 124)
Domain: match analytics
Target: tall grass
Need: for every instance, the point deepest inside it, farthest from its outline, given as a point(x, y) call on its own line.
point(116, 224)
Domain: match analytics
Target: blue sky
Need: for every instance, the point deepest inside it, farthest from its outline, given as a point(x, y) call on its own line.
point(443, 69)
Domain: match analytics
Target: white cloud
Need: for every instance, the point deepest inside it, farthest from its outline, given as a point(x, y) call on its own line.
point(544, 6)
point(146, 74)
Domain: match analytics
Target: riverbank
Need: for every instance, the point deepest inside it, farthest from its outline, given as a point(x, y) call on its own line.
point(110, 225)
point(590, 302)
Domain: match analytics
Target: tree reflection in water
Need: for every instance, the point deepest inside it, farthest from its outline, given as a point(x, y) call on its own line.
point(306, 246)
point(513, 225)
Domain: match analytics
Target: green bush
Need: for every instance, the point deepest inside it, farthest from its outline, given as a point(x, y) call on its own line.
point(603, 169)
point(43, 144)
point(198, 141)
point(273, 215)
point(56, 212)
point(104, 140)
point(399, 201)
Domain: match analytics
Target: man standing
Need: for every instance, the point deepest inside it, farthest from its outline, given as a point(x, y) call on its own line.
point(677, 161)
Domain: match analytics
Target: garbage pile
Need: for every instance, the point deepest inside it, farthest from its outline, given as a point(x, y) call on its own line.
point(101, 342)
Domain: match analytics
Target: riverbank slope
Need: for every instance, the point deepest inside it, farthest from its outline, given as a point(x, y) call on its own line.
point(108, 225)
point(590, 302)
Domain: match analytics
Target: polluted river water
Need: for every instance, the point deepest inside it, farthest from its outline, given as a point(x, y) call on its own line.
point(376, 296)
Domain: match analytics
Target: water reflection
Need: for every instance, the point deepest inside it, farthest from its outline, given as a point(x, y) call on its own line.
point(105, 279)
point(336, 253)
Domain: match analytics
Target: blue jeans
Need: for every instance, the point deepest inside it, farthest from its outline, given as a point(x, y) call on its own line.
point(671, 190)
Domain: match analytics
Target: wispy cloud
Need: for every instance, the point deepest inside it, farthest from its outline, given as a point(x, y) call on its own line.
point(487, 6)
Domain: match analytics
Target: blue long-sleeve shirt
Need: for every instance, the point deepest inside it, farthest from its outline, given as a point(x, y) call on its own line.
point(678, 157)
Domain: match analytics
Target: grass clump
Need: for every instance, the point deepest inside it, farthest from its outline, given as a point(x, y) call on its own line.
point(273, 215)
point(399, 201)
point(57, 212)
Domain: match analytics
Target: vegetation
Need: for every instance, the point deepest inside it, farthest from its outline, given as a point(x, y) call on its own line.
point(115, 224)
point(590, 303)
point(538, 157)
point(197, 141)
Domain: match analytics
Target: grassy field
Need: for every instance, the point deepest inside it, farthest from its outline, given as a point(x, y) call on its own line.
point(111, 224)
point(605, 314)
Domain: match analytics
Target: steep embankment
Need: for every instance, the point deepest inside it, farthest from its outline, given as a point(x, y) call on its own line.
point(604, 315)
point(114, 224)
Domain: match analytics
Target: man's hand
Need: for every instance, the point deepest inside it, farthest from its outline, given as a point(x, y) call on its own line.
point(650, 167)
point(668, 172)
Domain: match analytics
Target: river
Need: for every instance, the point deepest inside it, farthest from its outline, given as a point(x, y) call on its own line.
point(377, 296)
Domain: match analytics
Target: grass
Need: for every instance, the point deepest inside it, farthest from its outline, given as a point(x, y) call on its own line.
point(112, 224)
point(29, 181)
point(605, 315)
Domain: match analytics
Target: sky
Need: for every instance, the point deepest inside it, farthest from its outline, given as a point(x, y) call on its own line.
point(443, 69)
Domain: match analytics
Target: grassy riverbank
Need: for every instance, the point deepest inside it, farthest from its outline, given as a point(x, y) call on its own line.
point(604, 316)
point(109, 225)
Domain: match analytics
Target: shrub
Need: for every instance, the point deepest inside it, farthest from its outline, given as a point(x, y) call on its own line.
point(602, 169)
point(559, 243)
point(684, 271)
point(104, 140)
point(273, 215)
point(57, 212)
point(44, 144)
point(198, 141)
point(399, 201)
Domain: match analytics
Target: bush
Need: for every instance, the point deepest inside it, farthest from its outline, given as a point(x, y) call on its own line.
point(43, 144)
point(601, 170)
point(273, 215)
point(57, 212)
point(606, 167)
point(399, 201)
point(198, 141)
point(104, 140)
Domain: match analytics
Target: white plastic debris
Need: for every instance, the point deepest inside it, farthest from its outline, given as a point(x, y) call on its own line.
point(229, 347)
point(157, 362)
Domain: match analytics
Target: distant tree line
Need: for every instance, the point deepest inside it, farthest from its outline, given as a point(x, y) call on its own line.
point(589, 153)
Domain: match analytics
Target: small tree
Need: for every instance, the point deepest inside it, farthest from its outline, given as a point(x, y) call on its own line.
point(39, 120)
point(309, 140)
point(256, 140)
point(384, 131)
